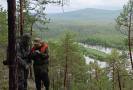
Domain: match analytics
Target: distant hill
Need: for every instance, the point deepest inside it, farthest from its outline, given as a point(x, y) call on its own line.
point(87, 14)
point(88, 24)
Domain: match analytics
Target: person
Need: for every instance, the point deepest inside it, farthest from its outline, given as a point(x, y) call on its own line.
point(23, 61)
point(23, 50)
point(39, 55)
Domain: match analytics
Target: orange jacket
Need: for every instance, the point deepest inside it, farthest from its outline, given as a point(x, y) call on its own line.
point(42, 49)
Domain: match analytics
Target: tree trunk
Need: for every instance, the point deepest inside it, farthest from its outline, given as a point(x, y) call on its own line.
point(129, 39)
point(113, 77)
point(11, 45)
point(31, 29)
point(119, 80)
point(66, 66)
point(21, 17)
point(97, 78)
point(91, 88)
point(53, 84)
point(65, 78)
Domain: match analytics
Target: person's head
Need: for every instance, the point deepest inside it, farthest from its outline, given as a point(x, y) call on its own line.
point(26, 39)
point(42, 42)
point(37, 42)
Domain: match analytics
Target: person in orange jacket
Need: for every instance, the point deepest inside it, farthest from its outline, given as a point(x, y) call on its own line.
point(39, 55)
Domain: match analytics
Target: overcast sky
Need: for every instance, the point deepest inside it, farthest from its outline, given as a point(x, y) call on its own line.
point(81, 4)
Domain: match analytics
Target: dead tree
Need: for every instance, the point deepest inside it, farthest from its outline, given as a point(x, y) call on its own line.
point(11, 45)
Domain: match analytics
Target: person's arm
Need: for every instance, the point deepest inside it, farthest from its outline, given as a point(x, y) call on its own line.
point(45, 55)
point(21, 62)
point(31, 56)
point(21, 58)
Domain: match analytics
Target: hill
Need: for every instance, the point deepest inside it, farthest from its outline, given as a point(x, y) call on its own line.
point(88, 24)
point(87, 14)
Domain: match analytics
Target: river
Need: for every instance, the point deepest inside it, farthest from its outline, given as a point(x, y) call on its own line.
point(99, 48)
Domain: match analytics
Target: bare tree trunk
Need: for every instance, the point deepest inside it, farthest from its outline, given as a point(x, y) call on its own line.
point(31, 74)
point(53, 84)
point(31, 29)
point(113, 77)
point(57, 81)
point(66, 67)
point(11, 45)
point(129, 39)
point(91, 88)
point(119, 80)
point(65, 78)
point(21, 17)
point(18, 26)
point(97, 78)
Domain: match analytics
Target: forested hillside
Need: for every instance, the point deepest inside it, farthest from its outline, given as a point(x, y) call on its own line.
point(93, 26)
point(88, 14)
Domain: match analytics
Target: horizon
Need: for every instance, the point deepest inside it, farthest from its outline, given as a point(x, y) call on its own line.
point(85, 9)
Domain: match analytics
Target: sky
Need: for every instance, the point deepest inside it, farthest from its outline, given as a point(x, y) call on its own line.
point(81, 4)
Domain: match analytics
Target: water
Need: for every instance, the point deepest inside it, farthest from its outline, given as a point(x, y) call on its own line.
point(102, 49)
point(89, 60)
point(98, 47)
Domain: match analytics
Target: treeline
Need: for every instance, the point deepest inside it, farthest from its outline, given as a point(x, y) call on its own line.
point(93, 33)
point(109, 41)
point(83, 29)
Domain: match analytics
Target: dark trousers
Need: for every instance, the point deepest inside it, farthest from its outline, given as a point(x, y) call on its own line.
point(41, 76)
point(25, 79)
point(22, 79)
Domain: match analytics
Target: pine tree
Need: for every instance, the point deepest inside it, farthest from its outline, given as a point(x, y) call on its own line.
point(71, 71)
point(124, 22)
point(118, 72)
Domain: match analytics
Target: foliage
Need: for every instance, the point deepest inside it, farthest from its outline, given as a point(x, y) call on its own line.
point(3, 27)
point(76, 70)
